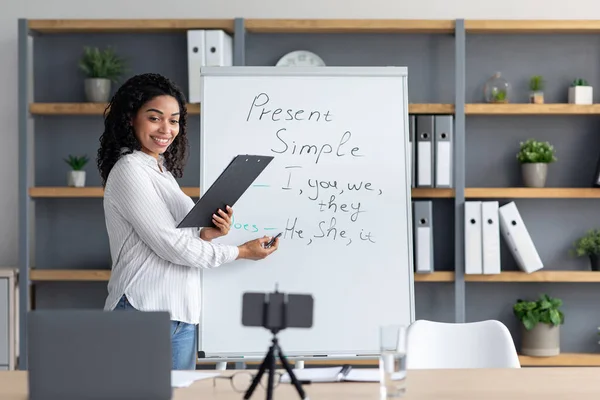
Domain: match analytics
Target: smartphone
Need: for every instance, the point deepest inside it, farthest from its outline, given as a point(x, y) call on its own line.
point(277, 310)
point(270, 243)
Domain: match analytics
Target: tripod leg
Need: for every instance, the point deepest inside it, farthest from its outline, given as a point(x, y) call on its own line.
point(271, 377)
point(290, 372)
point(267, 363)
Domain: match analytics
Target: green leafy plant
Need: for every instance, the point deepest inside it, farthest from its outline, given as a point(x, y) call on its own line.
point(498, 95)
point(536, 83)
point(102, 64)
point(77, 163)
point(579, 82)
point(545, 310)
point(588, 244)
point(533, 151)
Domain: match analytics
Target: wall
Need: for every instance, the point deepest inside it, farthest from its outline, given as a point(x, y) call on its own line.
point(429, 300)
point(424, 9)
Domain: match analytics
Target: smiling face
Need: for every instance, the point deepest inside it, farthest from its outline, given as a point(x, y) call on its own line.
point(156, 124)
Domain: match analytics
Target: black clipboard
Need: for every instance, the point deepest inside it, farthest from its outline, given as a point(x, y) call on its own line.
point(226, 190)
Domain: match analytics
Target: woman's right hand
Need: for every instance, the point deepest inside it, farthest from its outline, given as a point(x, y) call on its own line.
point(255, 249)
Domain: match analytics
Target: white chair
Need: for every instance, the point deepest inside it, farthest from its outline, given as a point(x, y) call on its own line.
point(483, 344)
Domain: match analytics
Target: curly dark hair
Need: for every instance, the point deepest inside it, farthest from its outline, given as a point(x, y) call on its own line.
point(118, 130)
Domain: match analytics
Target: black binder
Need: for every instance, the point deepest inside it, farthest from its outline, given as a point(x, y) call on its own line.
point(596, 182)
point(226, 190)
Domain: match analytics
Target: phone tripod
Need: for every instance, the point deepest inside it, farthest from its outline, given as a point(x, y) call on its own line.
point(269, 363)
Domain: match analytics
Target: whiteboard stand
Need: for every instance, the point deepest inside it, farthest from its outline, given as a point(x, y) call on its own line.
point(339, 190)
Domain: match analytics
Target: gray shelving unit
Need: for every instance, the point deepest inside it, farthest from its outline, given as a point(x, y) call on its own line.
point(448, 62)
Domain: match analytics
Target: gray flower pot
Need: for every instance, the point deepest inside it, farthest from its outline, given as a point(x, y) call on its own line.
point(534, 174)
point(97, 90)
point(542, 341)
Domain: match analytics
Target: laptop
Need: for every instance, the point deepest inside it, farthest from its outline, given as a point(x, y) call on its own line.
point(93, 354)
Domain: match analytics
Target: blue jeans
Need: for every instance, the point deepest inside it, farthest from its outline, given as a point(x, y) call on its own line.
point(183, 340)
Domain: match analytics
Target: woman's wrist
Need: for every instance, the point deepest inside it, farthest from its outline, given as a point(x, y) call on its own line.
point(203, 235)
point(242, 251)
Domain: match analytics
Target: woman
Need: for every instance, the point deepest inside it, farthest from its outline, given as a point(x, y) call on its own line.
point(156, 266)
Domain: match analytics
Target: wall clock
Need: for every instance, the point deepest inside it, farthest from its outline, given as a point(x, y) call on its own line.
point(300, 58)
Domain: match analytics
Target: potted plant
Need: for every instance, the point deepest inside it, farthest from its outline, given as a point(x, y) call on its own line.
point(496, 89)
point(76, 176)
point(589, 245)
point(581, 92)
point(540, 325)
point(536, 85)
point(101, 68)
point(534, 157)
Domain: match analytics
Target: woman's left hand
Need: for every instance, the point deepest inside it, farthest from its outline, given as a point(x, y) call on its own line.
point(222, 221)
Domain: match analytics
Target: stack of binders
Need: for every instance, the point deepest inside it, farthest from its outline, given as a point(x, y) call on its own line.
point(206, 48)
point(484, 222)
point(431, 158)
point(431, 150)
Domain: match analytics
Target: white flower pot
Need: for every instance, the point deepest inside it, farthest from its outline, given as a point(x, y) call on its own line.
point(581, 95)
point(76, 178)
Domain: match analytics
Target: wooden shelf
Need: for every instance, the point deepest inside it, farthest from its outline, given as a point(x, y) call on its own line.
point(562, 360)
point(312, 25)
point(533, 193)
point(104, 275)
point(431, 108)
point(67, 108)
point(82, 108)
point(97, 191)
point(348, 26)
point(58, 191)
point(417, 193)
point(62, 192)
point(193, 108)
point(441, 276)
point(532, 26)
point(538, 276)
point(127, 25)
point(424, 193)
point(531, 109)
point(41, 275)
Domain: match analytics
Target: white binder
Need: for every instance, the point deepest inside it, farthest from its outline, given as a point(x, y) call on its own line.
point(196, 58)
point(425, 150)
point(518, 239)
point(206, 48)
point(473, 238)
point(443, 141)
point(218, 49)
point(490, 227)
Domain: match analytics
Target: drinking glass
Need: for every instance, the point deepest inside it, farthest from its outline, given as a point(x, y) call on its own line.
point(392, 362)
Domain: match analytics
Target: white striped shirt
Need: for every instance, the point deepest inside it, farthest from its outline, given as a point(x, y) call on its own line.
point(154, 263)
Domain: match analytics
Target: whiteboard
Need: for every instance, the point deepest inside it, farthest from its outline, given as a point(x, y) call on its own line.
point(339, 190)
